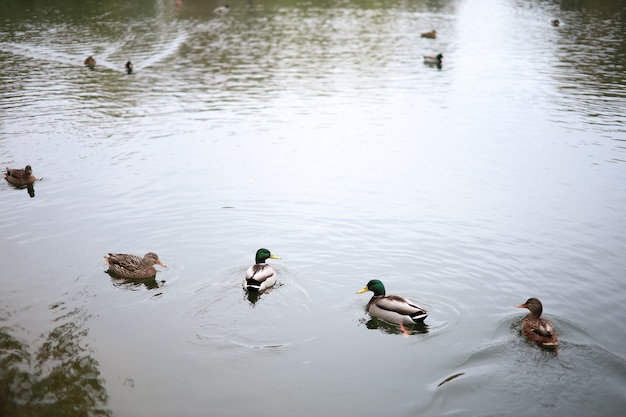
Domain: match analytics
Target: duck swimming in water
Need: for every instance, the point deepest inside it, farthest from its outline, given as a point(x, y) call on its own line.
point(260, 276)
point(536, 329)
point(90, 62)
point(129, 67)
point(20, 176)
point(430, 35)
point(222, 9)
point(392, 308)
point(433, 59)
point(123, 265)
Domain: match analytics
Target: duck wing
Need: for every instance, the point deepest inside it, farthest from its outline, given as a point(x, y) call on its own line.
point(401, 306)
point(259, 277)
point(122, 260)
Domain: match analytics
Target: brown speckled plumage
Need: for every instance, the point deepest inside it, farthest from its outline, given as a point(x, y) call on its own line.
point(536, 329)
point(20, 176)
point(132, 266)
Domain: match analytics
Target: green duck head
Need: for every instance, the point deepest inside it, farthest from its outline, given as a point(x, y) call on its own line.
point(374, 286)
point(263, 254)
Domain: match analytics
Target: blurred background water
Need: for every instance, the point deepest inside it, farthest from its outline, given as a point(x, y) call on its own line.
point(314, 129)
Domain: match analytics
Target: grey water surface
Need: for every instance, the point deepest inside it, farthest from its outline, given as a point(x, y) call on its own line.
point(312, 128)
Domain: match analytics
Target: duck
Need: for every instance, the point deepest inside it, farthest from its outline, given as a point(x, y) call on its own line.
point(433, 59)
point(20, 176)
point(555, 22)
point(129, 67)
point(132, 266)
point(392, 308)
point(90, 62)
point(260, 276)
point(222, 9)
point(430, 35)
point(536, 329)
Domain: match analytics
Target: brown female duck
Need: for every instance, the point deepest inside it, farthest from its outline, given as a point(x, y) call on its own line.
point(20, 176)
point(90, 62)
point(132, 266)
point(430, 35)
point(536, 329)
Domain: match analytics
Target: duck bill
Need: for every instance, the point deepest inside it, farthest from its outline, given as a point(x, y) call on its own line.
point(162, 264)
point(274, 257)
point(521, 306)
point(362, 290)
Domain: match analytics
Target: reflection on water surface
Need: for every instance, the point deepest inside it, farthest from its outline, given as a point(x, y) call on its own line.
point(61, 378)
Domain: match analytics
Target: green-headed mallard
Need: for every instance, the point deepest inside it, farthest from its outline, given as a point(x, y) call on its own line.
point(430, 35)
point(392, 308)
point(20, 176)
point(132, 266)
point(433, 59)
point(129, 67)
point(536, 329)
point(260, 276)
point(90, 62)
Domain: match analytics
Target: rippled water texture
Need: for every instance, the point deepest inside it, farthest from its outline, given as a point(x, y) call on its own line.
point(313, 129)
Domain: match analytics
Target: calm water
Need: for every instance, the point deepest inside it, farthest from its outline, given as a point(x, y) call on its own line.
point(313, 128)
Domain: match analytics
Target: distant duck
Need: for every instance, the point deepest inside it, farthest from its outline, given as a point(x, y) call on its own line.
point(433, 59)
point(20, 176)
point(555, 22)
point(536, 329)
point(90, 62)
point(430, 35)
point(222, 9)
point(129, 67)
point(392, 308)
point(260, 276)
point(122, 265)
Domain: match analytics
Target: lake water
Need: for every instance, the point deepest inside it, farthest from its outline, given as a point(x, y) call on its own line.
point(313, 128)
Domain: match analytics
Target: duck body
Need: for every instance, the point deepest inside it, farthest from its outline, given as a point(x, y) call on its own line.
point(433, 59)
point(260, 276)
point(392, 308)
point(132, 266)
point(222, 9)
point(90, 62)
point(536, 329)
point(129, 67)
point(20, 176)
point(430, 35)
point(555, 22)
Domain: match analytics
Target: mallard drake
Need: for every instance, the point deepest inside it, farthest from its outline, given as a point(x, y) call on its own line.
point(430, 35)
point(132, 266)
point(20, 176)
point(260, 276)
point(392, 308)
point(536, 329)
point(90, 62)
point(433, 59)
point(222, 9)
point(555, 22)
point(129, 67)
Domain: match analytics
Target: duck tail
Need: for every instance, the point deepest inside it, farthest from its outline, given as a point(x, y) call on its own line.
point(419, 316)
point(253, 285)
